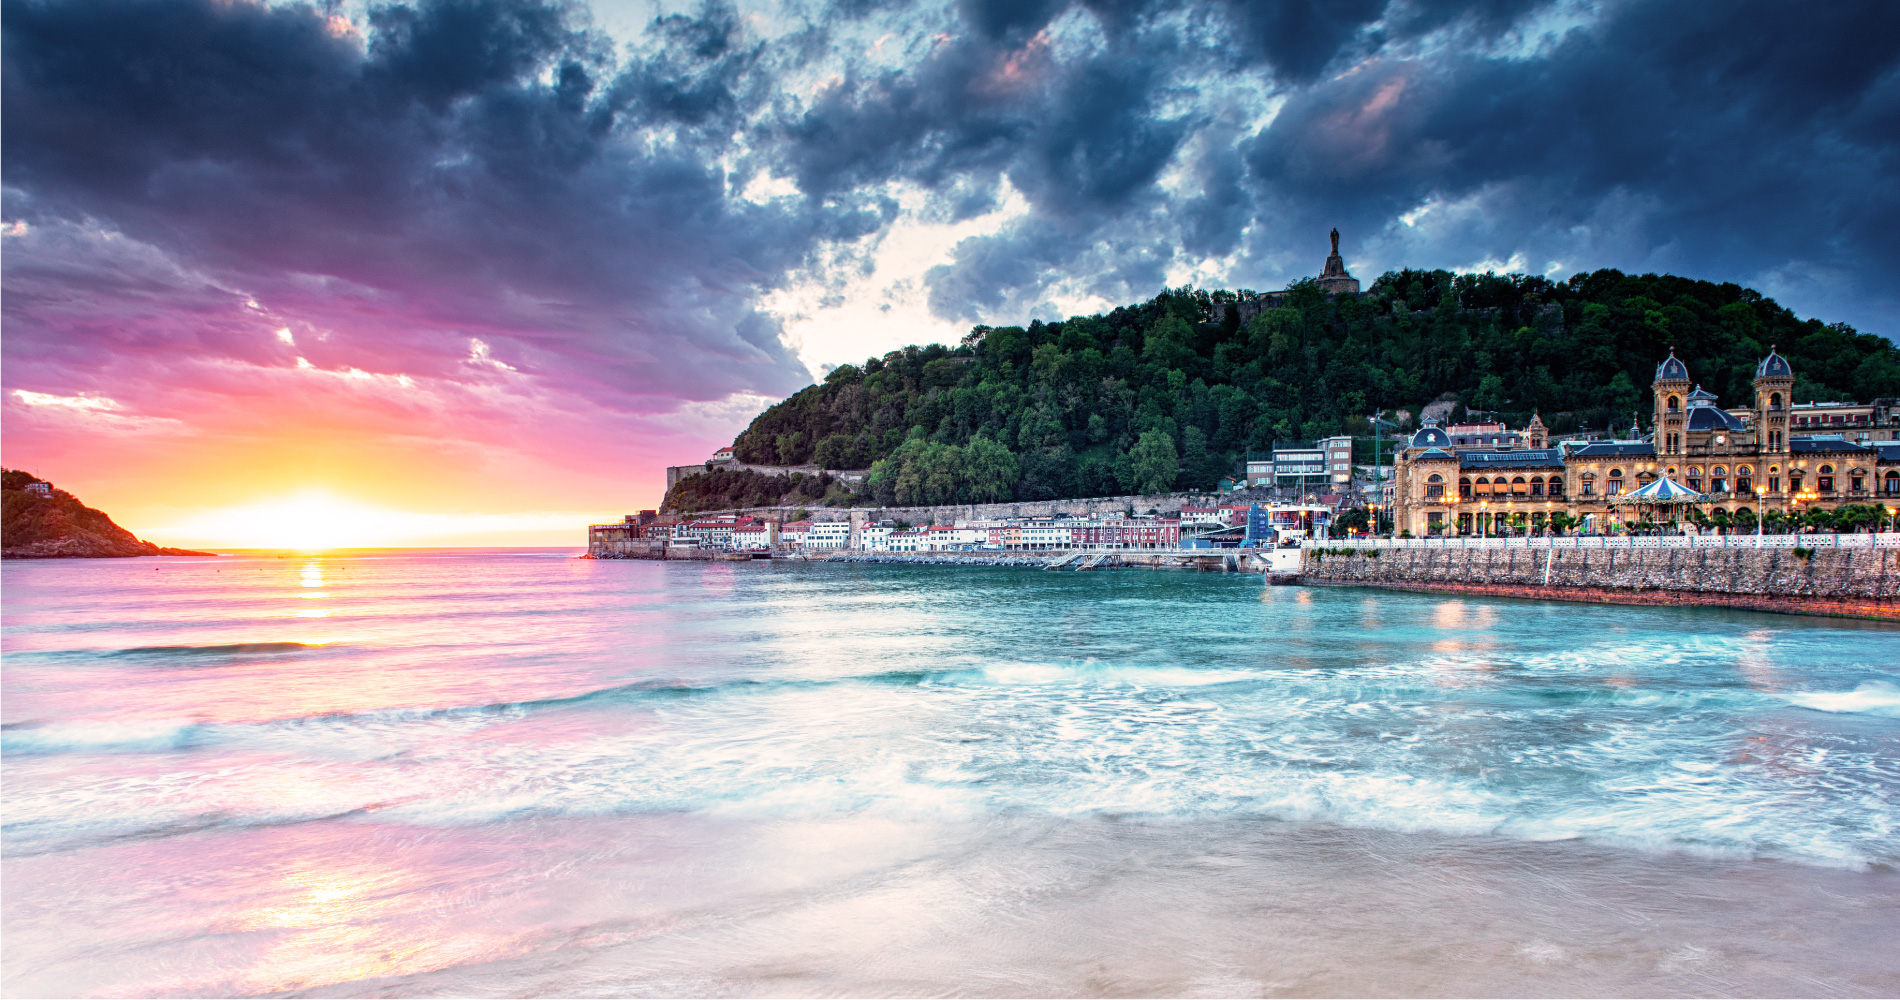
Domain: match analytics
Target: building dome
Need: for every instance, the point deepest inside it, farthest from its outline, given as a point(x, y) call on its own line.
point(1773, 366)
point(1672, 370)
point(1431, 437)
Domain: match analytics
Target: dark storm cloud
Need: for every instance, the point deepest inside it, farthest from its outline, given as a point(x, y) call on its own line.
point(478, 166)
point(1748, 142)
point(494, 169)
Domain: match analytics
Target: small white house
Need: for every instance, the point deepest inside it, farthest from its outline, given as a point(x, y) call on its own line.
point(829, 535)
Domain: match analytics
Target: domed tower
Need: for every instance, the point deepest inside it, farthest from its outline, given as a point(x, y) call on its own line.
point(1539, 434)
point(1774, 394)
point(1671, 388)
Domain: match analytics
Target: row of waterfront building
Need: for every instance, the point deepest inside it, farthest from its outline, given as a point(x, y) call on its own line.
point(649, 532)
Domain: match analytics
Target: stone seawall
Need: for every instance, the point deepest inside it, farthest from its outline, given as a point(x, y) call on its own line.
point(1861, 583)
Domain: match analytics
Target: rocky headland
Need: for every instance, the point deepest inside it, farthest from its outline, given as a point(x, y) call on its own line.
point(42, 522)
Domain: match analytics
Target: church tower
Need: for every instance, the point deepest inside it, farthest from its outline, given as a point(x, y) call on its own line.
point(1539, 434)
point(1671, 389)
point(1774, 394)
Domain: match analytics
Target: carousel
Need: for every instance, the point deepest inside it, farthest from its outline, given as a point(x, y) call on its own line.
point(1665, 495)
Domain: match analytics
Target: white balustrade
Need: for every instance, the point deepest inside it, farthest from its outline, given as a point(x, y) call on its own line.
point(1881, 540)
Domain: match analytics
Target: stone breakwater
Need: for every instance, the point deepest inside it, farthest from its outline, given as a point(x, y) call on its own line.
point(1857, 583)
point(944, 558)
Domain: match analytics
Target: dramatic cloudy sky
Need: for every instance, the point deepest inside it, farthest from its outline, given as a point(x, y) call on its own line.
point(498, 261)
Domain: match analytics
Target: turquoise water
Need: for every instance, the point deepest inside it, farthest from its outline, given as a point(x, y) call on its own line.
point(283, 773)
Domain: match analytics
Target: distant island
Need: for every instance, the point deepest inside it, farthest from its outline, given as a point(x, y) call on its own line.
point(42, 522)
point(1175, 392)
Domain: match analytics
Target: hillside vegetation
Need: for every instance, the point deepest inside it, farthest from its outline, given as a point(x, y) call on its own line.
point(57, 526)
point(1172, 392)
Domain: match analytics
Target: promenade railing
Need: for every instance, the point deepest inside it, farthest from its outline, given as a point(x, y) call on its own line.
point(1880, 540)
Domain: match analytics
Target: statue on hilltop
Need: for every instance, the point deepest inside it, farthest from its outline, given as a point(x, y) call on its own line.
point(1334, 279)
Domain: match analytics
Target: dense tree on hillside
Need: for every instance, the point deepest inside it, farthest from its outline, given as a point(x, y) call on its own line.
point(1173, 391)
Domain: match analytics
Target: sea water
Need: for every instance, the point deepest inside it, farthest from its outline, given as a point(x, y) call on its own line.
point(518, 773)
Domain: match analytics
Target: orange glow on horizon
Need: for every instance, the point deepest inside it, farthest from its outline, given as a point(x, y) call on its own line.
point(318, 521)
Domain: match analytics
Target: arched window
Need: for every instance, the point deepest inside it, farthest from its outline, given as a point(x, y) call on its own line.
point(1893, 480)
point(1695, 478)
point(1537, 486)
point(1774, 401)
point(1464, 487)
point(1435, 478)
point(1675, 404)
point(1718, 479)
point(1825, 480)
point(1827, 470)
point(1434, 486)
point(1614, 486)
point(1556, 487)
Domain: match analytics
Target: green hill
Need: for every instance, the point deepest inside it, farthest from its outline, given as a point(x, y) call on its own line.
point(1172, 392)
point(55, 525)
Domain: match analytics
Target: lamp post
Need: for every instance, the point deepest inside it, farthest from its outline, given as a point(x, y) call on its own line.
point(1484, 519)
point(1761, 495)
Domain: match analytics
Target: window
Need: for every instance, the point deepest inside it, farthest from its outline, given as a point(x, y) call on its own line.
point(1435, 486)
point(1825, 480)
point(1464, 524)
point(1774, 484)
point(1893, 480)
point(1856, 483)
point(1556, 487)
point(1537, 486)
point(1464, 487)
point(1774, 401)
point(1518, 487)
point(1675, 404)
point(1436, 519)
point(1589, 484)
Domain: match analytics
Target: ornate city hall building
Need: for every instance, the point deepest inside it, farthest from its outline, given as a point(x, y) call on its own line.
point(1744, 460)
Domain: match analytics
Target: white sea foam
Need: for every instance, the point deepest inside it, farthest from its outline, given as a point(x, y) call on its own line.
point(1871, 698)
point(97, 737)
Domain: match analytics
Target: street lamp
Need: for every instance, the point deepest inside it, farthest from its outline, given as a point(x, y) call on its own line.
point(1484, 518)
point(1761, 494)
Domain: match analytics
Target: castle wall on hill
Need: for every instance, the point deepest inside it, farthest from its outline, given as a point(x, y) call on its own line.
point(1164, 503)
point(675, 473)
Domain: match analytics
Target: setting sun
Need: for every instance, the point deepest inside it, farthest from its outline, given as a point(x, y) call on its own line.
point(316, 520)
